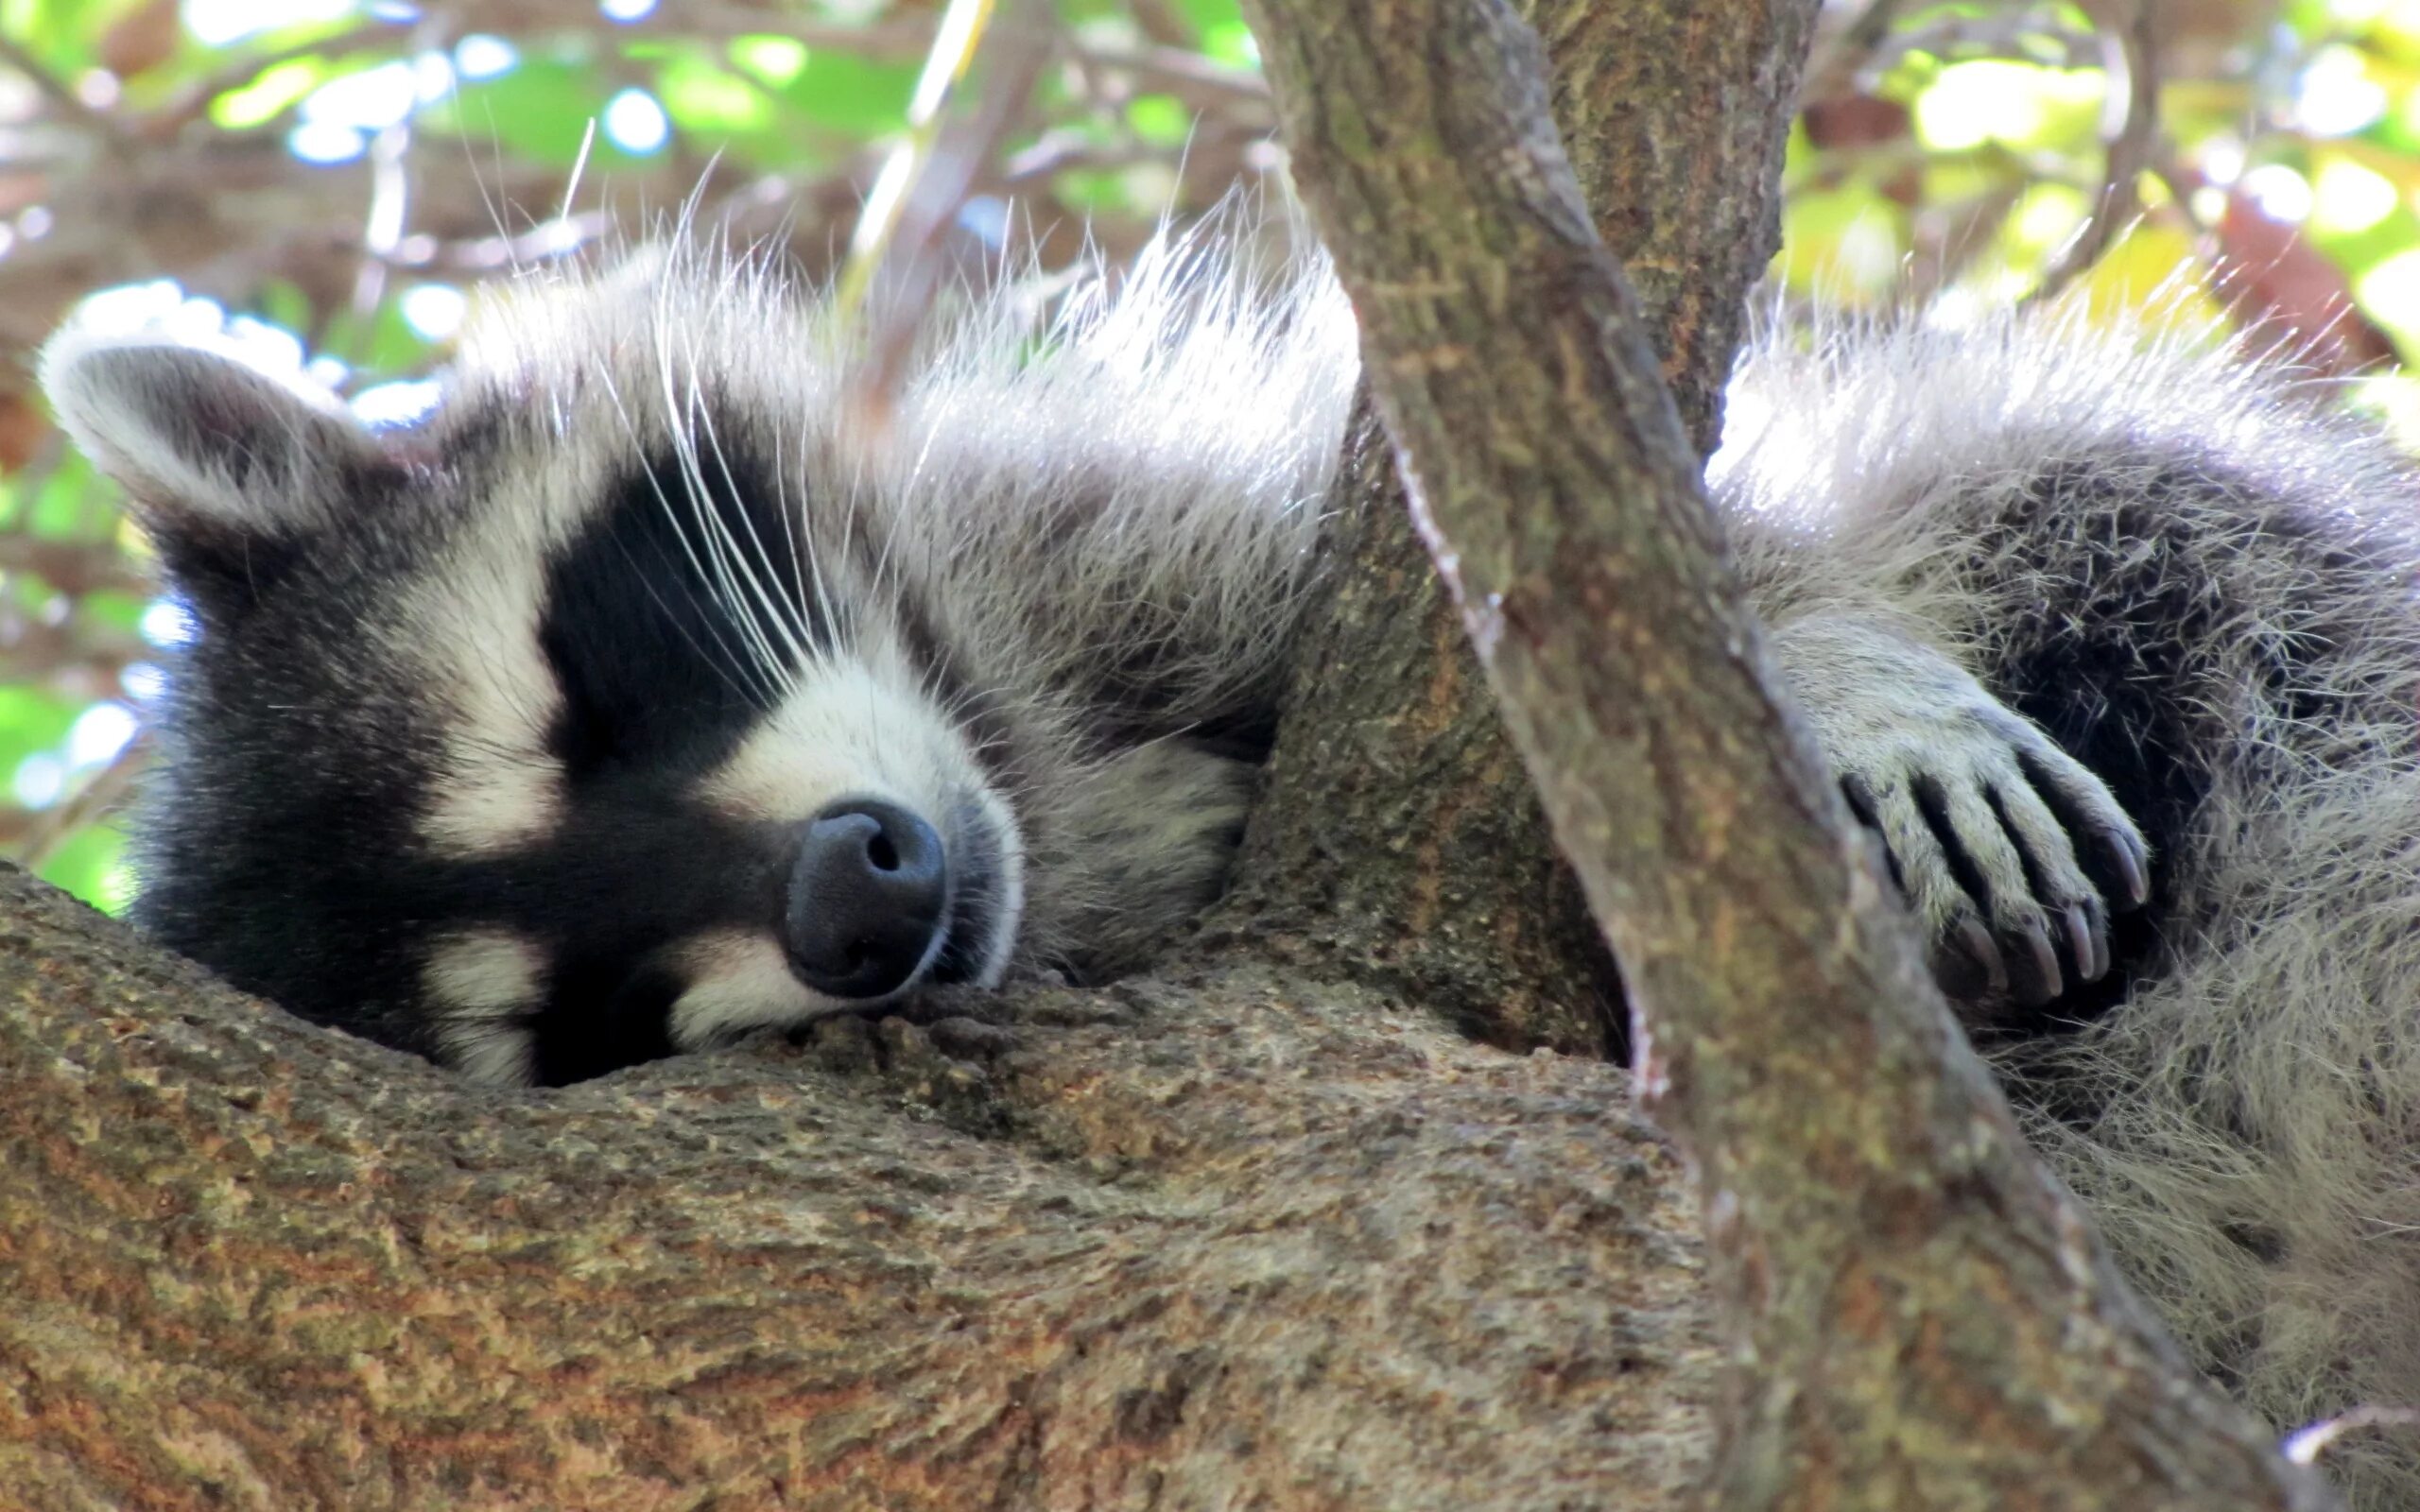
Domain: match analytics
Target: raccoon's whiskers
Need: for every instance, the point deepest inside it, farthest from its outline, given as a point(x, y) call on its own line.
point(762, 695)
point(797, 537)
point(682, 405)
point(790, 614)
point(738, 585)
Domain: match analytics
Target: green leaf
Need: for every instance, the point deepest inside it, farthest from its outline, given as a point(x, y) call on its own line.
point(1162, 119)
point(711, 101)
point(69, 503)
point(283, 303)
point(1231, 43)
point(274, 92)
point(1209, 16)
point(540, 110)
point(121, 610)
point(1094, 190)
point(32, 719)
point(853, 95)
point(62, 33)
point(770, 61)
point(90, 865)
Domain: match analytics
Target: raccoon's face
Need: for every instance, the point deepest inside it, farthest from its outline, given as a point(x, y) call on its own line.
point(551, 735)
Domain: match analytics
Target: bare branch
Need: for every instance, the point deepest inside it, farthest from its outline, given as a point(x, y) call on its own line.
point(2129, 138)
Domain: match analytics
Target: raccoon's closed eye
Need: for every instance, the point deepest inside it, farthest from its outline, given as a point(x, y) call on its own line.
point(678, 617)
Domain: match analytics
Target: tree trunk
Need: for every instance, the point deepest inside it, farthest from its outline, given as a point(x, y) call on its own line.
point(1865, 1184)
point(1431, 867)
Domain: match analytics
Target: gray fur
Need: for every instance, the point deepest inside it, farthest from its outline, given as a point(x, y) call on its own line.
point(2111, 639)
point(2245, 1122)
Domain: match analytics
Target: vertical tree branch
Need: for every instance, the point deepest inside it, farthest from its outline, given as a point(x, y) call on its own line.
point(1674, 117)
point(1683, 110)
point(1924, 1318)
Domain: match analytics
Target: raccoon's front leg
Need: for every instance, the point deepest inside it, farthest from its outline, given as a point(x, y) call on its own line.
point(1989, 827)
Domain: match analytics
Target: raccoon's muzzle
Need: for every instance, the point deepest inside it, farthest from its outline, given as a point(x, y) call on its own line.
point(868, 900)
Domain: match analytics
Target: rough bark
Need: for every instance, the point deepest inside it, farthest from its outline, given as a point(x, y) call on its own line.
point(1431, 869)
point(1673, 117)
point(1211, 1241)
point(1921, 1316)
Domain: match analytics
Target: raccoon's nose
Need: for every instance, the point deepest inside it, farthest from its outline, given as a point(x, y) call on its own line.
point(867, 897)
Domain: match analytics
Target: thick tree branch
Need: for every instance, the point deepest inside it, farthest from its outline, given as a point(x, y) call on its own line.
point(1212, 1243)
point(1923, 1317)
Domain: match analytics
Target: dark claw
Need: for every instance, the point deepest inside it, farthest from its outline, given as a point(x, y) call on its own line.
point(2133, 867)
point(2091, 950)
point(2042, 983)
point(1966, 965)
point(1985, 951)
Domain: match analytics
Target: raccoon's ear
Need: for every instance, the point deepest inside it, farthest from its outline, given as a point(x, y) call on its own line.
point(230, 469)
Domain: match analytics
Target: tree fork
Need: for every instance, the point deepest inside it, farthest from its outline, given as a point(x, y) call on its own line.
point(1432, 869)
point(1864, 1182)
point(1226, 1234)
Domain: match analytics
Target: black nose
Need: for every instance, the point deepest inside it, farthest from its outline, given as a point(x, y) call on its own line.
point(867, 895)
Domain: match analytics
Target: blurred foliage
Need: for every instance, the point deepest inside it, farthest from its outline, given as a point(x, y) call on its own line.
point(329, 180)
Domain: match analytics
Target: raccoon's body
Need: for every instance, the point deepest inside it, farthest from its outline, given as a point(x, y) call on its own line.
point(635, 698)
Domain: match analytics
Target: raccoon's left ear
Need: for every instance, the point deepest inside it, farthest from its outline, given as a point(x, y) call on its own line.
point(229, 468)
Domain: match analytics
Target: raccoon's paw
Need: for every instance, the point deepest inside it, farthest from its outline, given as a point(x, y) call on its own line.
point(2006, 846)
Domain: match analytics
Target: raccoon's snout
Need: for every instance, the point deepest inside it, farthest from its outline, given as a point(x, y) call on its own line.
point(868, 899)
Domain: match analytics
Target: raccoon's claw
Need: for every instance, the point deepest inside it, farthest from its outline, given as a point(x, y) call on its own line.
point(1987, 823)
point(2089, 938)
point(2131, 860)
point(2012, 853)
point(1967, 949)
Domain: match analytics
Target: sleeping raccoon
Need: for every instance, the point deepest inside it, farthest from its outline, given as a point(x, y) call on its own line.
point(628, 702)
point(634, 698)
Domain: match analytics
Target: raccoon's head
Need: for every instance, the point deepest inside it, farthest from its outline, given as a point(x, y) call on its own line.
point(561, 729)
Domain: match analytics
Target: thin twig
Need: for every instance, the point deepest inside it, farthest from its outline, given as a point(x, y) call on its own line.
point(2305, 1446)
point(99, 796)
point(935, 183)
point(2129, 129)
point(69, 104)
